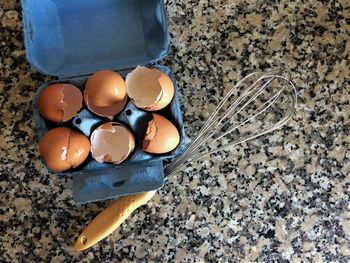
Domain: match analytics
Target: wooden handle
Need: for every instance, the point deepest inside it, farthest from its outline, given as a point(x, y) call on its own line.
point(110, 219)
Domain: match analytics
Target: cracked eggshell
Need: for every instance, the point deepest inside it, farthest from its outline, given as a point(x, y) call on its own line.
point(60, 102)
point(112, 142)
point(63, 148)
point(105, 93)
point(168, 90)
point(108, 111)
point(149, 89)
point(161, 136)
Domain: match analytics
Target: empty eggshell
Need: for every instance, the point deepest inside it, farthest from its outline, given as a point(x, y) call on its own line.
point(149, 89)
point(161, 136)
point(143, 88)
point(112, 142)
point(108, 111)
point(60, 102)
point(167, 90)
point(105, 94)
point(63, 148)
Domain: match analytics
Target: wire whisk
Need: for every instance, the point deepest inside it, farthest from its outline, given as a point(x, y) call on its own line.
point(258, 104)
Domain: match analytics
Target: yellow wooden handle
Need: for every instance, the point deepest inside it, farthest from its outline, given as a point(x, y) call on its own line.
point(110, 219)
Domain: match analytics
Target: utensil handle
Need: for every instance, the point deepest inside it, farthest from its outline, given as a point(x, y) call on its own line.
point(110, 219)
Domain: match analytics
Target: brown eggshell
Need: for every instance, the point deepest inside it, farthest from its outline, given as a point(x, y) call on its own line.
point(108, 111)
point(143, 88)
point(161, 136)
point(167, 90)
point(63, 148)
point(73, 101)
point(112, 142)
point(79, 149)
point(104, 88)
point(60, 102)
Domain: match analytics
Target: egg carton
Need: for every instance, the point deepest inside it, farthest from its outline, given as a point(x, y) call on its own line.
point(72, 40)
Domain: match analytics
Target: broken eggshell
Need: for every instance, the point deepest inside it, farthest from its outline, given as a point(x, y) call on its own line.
point(63, 148)
point(168, 90)
point(60, 102)
point(112, 142)
point(149, 89)
point(105, 93)
point(161, 136)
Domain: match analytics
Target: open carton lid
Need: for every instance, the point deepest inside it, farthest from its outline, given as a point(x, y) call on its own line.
point(68, 38)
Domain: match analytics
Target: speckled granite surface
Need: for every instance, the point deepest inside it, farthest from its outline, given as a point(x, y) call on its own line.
point(282, 199)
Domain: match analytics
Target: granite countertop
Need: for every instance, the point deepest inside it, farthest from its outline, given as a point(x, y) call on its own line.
point(282, 199)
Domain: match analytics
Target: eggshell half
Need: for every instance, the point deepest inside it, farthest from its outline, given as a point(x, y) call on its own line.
point(168, 90)
point(104, 88)
point(60, 102)
point(161, 136)
point(108, 111)
point(143, 88)
point(63, 148)
point(79, 149)
point(105, 93)
point(112, 142)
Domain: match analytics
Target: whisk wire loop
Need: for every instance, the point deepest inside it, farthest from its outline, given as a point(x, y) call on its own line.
point(253, 88)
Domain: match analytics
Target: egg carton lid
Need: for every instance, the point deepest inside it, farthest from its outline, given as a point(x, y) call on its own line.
point(66, 38)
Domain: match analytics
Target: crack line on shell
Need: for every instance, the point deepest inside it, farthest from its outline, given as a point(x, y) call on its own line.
point(149, 131)
point(68, 149)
